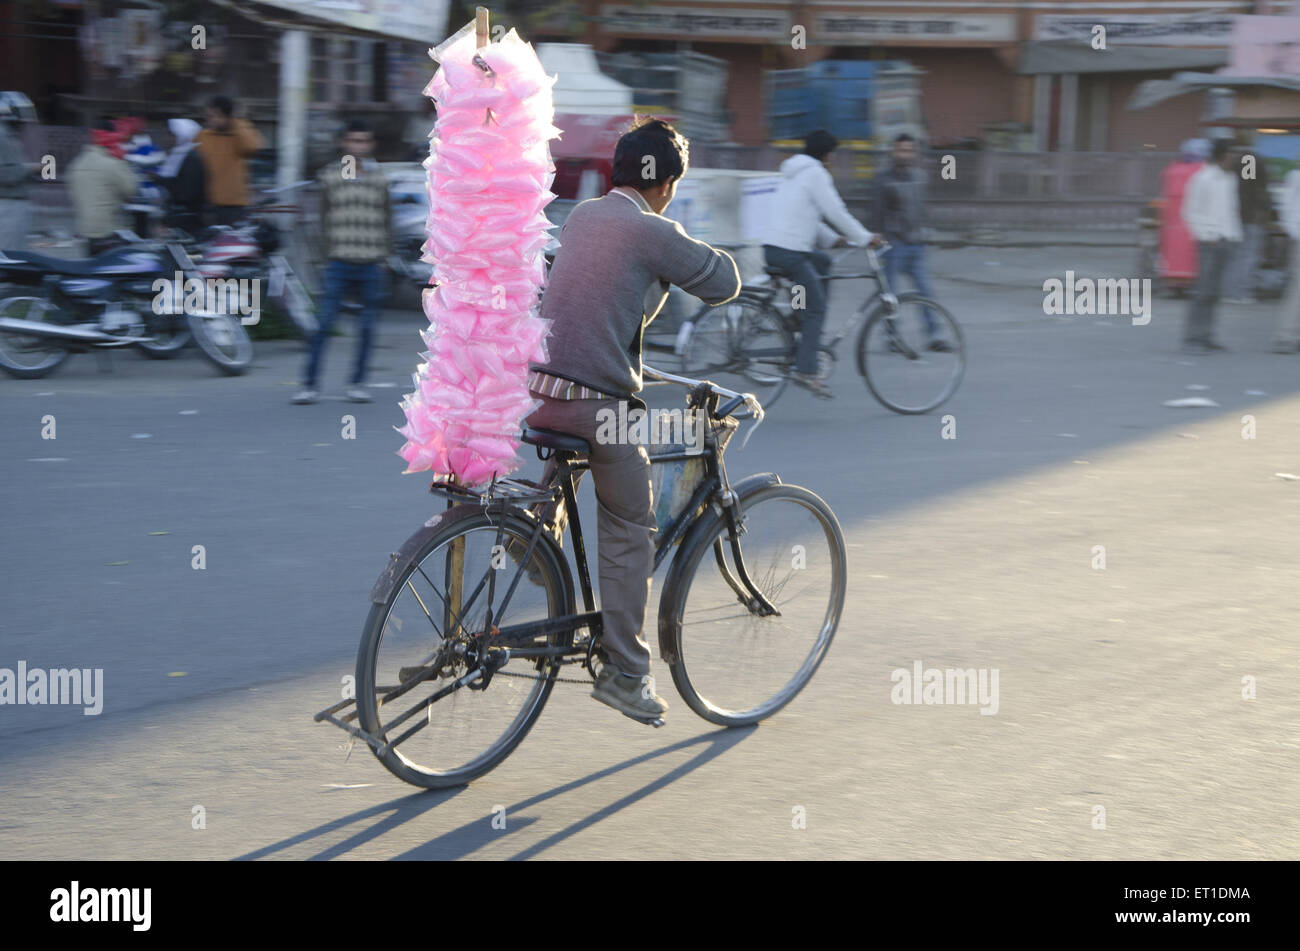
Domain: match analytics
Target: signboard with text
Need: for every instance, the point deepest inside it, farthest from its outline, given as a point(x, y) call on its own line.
point(849, 29)
point(421, 21)
point(1265, 46)
point(687, 21)
point(1137, 29)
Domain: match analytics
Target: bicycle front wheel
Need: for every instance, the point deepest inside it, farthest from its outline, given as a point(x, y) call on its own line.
point(912, 359)
point(432, 627)
point(733, 665)
point(742, 345)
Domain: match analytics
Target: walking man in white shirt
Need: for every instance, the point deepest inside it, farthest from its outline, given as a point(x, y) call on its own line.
point(1211, 212)
point(805, 197)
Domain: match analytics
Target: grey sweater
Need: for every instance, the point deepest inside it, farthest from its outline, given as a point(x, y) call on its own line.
point(898, 204)
point(609, 280)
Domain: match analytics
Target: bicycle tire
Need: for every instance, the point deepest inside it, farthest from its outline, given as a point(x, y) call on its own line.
point(676, 626)
point(721, 337)
point(953, 329)
point(460, 522)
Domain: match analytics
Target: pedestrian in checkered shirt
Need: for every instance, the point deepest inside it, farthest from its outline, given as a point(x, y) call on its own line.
point(357, 228)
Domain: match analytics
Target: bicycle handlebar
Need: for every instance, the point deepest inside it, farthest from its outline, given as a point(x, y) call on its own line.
point(873, 260)
point(734, 400)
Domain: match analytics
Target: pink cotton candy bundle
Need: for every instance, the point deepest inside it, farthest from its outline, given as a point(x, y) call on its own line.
point(490, 173)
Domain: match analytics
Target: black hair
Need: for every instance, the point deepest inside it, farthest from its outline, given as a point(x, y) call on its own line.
point(224, 105)
point(903, 137)
point(103, 124)
point(1220, 148)
point(356, 125)
point(652, 138)
point(820, 144)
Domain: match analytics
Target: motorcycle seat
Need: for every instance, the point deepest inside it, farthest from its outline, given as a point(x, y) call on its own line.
point(53, 265)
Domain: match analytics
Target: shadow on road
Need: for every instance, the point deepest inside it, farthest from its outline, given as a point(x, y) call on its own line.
point(462, 842)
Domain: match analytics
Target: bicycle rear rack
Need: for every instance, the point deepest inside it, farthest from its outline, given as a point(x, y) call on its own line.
point(500, 491)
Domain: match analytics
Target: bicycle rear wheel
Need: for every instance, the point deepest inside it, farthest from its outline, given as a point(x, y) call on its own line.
point(742, 345)
point(901, 355)
point(731, 665)
point(471, 729)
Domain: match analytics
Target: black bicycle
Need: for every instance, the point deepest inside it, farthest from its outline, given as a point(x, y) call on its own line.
point(473, 621)
point(910, 349)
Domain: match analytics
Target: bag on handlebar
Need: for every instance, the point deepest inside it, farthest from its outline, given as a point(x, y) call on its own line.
point(673, 483)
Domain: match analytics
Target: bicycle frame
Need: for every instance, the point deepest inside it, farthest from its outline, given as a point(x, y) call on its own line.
point(494, 646)
point(562, 487)
point(883, 293)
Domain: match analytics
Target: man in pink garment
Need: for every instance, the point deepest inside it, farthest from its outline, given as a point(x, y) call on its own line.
point(1177, 246)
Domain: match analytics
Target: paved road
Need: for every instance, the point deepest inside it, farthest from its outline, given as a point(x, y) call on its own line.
point(1119, 688)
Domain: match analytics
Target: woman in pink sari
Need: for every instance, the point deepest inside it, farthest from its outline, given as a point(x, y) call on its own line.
point(1177, 246)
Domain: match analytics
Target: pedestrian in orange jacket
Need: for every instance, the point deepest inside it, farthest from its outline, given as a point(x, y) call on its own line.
point(226, 143)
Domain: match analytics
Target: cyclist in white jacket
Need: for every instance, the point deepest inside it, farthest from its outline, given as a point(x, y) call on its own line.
point(805, 199)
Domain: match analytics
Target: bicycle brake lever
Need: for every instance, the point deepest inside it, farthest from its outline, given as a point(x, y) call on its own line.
point(757, 410)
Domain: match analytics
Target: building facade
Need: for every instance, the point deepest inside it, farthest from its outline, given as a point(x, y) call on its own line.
point(1019, 74)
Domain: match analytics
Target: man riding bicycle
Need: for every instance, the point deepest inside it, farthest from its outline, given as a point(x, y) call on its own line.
point(806, 197)
point(617, 257)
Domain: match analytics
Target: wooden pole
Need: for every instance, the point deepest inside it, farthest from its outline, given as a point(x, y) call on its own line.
point(456, 556)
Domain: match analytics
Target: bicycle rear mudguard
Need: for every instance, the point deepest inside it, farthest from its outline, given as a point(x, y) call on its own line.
point(706, 525)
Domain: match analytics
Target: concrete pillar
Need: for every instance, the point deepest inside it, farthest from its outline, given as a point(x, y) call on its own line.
point(1098, 112)
point(1068, 112)
point(292, 129)
point(1042, 110)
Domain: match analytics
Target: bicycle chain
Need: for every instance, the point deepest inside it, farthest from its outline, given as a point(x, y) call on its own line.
point(558, 680)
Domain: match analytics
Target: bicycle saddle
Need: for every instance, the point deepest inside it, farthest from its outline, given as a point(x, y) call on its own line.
point(776, 271)
point(550, 439)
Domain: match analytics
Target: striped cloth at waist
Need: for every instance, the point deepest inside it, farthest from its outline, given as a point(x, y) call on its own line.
point(558, 388)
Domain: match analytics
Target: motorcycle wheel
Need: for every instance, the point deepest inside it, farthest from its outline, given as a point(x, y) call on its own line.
point(223, 340)
point(23, 355)
point(168, 336)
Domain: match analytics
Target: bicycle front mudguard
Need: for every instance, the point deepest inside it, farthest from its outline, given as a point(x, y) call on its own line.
point(706, 525)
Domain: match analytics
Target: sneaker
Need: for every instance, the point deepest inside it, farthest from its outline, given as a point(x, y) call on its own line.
point(1196, 348)
point(633, 697)
point(1214, 345)
point(306, 396)
point(1282, 347)
point(358, 394)
point(810, 382)
point(940, 346)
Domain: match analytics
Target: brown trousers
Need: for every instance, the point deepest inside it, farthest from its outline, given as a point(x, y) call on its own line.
point(625, 526)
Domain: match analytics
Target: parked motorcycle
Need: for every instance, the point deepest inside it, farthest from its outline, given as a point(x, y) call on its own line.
point(54, 307)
